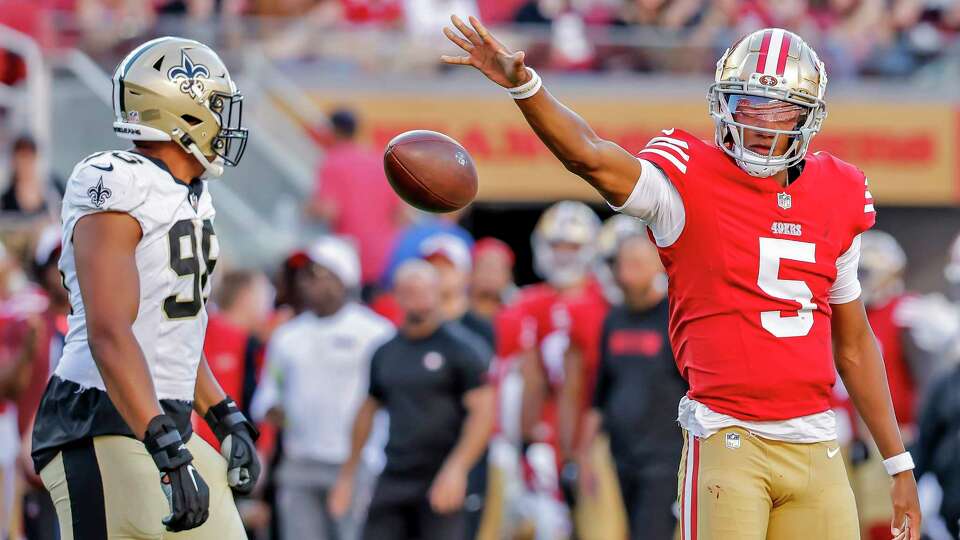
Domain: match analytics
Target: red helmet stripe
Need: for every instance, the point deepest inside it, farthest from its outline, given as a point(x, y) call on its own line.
point(764, 49)
point(784, 50)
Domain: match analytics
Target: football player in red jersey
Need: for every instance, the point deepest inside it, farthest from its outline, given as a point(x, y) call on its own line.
point(760, 242)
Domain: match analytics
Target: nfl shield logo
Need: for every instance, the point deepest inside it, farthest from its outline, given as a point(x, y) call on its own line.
point(784, 201)
point(732, 441)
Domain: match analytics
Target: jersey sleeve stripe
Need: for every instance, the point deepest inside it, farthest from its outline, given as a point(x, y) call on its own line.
point(867, 208)
point(676, 149)
point(678, 142)
point(869, 195)
point(668, 156)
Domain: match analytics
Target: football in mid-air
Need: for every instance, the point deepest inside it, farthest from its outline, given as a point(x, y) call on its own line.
point(430, 171)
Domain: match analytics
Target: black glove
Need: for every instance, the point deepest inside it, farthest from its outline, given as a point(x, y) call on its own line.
point(236, 435)
point(186, 492)
point(568, 482)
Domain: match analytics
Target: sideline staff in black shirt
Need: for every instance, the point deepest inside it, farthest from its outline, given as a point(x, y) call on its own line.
point(431, 378)
point(638, 388)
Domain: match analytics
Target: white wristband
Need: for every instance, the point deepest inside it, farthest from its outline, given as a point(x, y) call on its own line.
point(529, 88)
point(899, 463)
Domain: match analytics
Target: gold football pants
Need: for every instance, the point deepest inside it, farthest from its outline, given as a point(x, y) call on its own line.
point(109, 488)
point(734, 485)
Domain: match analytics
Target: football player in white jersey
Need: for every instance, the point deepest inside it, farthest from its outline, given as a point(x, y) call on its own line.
point(138, 251)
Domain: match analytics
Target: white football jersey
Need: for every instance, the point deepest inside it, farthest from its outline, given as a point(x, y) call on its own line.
point(175, 257)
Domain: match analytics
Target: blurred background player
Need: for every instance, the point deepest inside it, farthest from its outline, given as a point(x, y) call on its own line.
point(636, 377)
point(315, 379)
point(566, 312)
point(492, 284)
point(881, 272)
point(39, 516)
point(431, 379)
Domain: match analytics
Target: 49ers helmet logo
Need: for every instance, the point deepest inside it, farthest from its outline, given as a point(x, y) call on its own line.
point(768, 80)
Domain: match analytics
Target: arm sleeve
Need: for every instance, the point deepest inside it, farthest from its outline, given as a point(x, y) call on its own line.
point(656, 201)
point(267, 394)
point(846, 288)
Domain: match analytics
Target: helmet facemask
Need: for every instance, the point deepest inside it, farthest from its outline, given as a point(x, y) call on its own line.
point(752, 120)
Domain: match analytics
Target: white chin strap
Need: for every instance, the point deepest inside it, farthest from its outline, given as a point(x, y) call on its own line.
point(760, 171)
point(213, 169)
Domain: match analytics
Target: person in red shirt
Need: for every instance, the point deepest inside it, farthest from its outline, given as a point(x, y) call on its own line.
point(354, 198)
point(231, 346)
point(760, 241)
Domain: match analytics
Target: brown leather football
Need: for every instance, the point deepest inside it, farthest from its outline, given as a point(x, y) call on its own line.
point(430, 171)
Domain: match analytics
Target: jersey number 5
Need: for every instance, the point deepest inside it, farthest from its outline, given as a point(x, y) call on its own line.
point(772, 250)
point(183, 261)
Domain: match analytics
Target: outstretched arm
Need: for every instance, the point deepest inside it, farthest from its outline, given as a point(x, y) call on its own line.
point(610, 169)
point(860, 365)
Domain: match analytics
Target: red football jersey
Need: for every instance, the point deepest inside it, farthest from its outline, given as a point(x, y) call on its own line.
point(750, 276)
point(889, 334)
point(225, 347)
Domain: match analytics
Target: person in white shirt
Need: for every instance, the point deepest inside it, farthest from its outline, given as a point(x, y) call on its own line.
point(314, 379)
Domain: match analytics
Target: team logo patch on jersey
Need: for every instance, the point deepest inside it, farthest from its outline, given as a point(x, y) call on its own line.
point(732, 441)
point(433, 361)
point(784, 200)
point(189, 75)
point(99, 194)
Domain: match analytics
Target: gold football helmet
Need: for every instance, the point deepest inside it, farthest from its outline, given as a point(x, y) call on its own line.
point(614, 231)
point(881, 267)
point(175, 89)
point(563, 242)
point(772, 84)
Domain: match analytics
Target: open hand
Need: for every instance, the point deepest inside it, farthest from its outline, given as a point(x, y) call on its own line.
point(486, 53)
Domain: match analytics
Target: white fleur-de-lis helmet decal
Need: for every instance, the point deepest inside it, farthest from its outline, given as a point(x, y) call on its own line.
point(189, 75)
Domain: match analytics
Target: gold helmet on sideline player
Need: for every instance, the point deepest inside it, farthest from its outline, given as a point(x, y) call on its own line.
point(771, 75)
point(175, 89)
point(614, 231)
point(563, 243)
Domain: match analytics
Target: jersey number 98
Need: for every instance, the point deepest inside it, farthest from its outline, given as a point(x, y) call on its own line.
point(183, 261)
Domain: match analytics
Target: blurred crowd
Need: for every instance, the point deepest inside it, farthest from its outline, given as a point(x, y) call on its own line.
point(855, 37)
point(406, 387)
